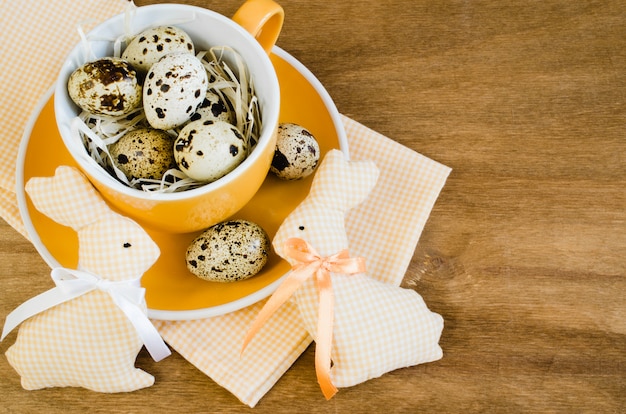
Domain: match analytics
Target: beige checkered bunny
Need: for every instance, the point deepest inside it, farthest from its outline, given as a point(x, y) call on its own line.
point(377, 327)
point(87, 341)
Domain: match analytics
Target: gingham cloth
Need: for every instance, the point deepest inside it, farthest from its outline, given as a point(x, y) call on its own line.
point(384, 229)
point(35, 36)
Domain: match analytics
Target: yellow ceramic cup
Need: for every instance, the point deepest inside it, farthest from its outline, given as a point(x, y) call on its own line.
point(252, 32)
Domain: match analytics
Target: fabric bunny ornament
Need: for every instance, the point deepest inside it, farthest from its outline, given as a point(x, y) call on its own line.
point(374, 327)
point(92, 337)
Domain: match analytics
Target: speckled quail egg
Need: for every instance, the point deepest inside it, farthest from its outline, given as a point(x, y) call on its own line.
point(213, 108)
point(207, 150)
point(152, 44)
point(297, 152)
point(229, 251)
point(174, 88)
point(106, 86)
point(144, 153)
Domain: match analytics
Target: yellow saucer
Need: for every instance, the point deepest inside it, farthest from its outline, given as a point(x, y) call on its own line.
point(172, 293)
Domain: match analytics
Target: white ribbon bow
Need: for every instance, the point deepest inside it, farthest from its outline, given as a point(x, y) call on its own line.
point(127, 295)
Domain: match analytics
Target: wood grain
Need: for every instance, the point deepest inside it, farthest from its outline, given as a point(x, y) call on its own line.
point(524, 254)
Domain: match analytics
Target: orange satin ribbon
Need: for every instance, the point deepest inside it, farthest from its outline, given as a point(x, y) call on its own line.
point(309, 263)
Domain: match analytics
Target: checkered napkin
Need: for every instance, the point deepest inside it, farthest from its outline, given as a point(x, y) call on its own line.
point(384, 229)
point(36, 36)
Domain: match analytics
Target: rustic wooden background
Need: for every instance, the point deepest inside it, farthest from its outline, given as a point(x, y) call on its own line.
point(524, 254)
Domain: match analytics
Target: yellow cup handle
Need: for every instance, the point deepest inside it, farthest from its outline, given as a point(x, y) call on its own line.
point(263, 19)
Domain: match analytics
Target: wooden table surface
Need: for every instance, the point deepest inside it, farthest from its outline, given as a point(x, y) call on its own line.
point(524, 254)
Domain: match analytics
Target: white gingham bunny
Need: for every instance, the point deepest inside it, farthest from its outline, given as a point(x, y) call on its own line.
point(376, 327)
point(89, 341)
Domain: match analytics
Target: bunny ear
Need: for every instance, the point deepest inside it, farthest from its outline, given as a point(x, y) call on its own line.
point(67, 198)
point(341, 183)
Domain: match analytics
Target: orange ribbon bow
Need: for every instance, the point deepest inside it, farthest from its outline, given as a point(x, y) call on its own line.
point(309, 262)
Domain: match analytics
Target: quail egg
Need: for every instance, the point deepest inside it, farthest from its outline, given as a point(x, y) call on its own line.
point(174, 88)
point(144, 153)
point(152, 44)
point(213, 108)
point(297, 152)
point(207, 150)
point(229, 251)
point(106, 86)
